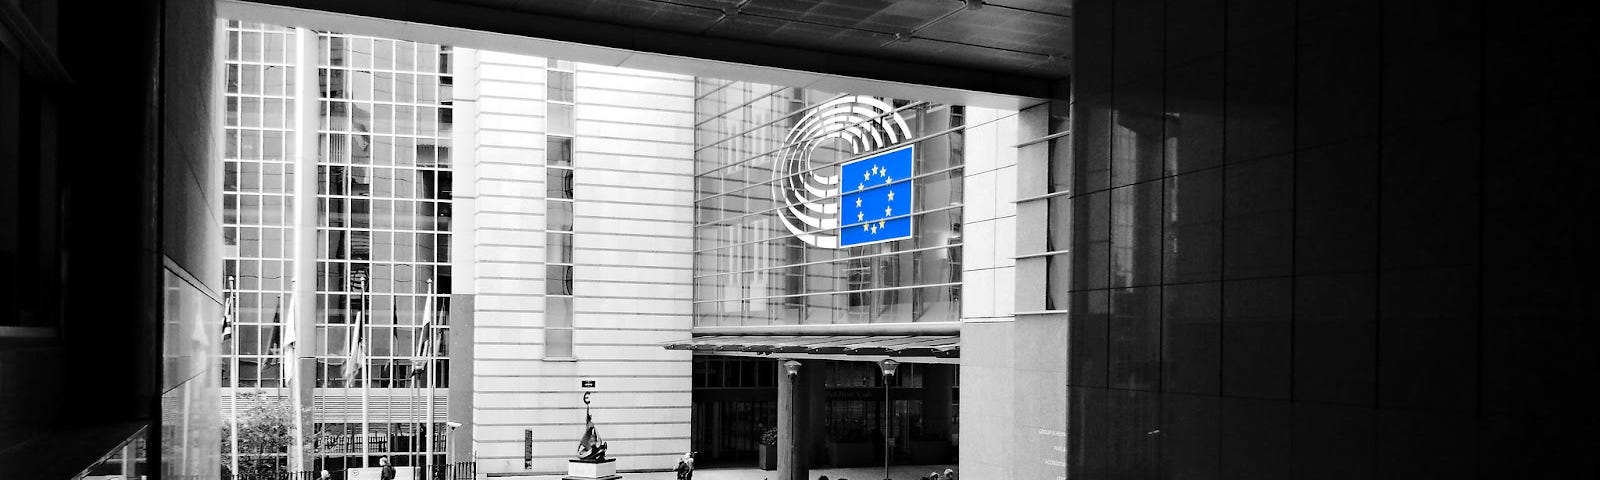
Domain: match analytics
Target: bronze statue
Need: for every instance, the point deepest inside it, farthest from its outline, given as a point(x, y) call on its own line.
point(590, 448)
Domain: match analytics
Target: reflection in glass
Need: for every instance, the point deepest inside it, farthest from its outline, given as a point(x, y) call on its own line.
point(558, 343)
point(558, 247)
point(560, 86)
point(558, 151)
point(558, 216)
point(559, 119)
point(558, 280)
point(558, 182)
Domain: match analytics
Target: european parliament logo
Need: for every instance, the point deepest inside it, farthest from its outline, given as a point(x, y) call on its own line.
point(810, 193)
point(876, 203)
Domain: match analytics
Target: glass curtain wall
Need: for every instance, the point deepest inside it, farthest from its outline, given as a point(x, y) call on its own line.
point(751, 269)
point(258, 196)
point(383, 224)
point(384, 210)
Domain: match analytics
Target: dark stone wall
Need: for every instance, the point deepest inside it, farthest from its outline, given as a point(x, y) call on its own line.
point(122, 220)
point(1331, 240)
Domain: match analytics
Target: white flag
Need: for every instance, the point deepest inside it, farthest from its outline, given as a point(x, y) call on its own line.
point(290, 364)
point(425, 348)
point(357, 346)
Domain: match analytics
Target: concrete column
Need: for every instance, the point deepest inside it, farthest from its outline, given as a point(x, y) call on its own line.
point(817, 413)
point(130, 464)
point(937, 381)
point(793, 427)
point(305, 239)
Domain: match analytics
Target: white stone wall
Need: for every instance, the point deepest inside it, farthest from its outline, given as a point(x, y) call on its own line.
point(632, 254)
point(988, 275)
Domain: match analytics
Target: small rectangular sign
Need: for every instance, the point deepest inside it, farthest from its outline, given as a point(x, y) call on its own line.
point(527, 449)
point(376, 473)
point(588, 383)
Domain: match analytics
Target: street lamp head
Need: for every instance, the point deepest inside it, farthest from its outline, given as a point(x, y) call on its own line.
point(792, 367)
point(889, 366)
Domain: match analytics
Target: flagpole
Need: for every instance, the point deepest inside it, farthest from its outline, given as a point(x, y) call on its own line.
point(291, 374)
point(427, 323)
point(411, 410)
point(233, 377)
point(366, 385)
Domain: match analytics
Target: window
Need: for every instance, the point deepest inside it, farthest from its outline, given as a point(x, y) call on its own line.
point(559, 183)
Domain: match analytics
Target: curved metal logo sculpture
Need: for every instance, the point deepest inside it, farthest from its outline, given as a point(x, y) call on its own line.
point(808, 193)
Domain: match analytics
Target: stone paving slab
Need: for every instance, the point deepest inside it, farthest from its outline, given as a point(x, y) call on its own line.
point(896, 472)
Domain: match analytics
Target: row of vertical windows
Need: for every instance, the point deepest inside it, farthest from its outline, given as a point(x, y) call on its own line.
point(558, 210)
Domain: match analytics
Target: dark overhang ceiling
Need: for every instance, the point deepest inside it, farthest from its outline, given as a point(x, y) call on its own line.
point(1016, 47)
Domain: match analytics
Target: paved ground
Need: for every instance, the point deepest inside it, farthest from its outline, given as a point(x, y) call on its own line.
point(897, 472)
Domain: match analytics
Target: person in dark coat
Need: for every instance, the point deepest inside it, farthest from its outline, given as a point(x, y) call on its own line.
point(685, 468)
point(388, 471)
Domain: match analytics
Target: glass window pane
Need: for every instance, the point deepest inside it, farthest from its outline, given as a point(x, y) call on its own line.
point(250, 49)
point(558, 343)
point(1058, 274)
point(558, 151)
point(558, 312)
point(558, 216)
point(560, 86)
point(560, 119)
point(558, 248)
point(277, 80)
point(1059, 166)
point(558, 183)
point(558, 280)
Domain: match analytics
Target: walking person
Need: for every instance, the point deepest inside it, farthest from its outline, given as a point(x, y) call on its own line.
point(686, 467)
point(388, 471)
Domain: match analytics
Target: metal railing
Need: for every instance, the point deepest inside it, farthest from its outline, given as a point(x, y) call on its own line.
point(306, 475)
point(454, 471)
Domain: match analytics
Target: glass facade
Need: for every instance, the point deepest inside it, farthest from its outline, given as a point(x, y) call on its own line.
point(758, 262)
point(383, 202)
point(382, 142)
point(258, 199)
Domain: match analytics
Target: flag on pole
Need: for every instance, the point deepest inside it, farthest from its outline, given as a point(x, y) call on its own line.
point(394, 326)
point(291, 334)
point(227, 311)
point(425, 348)
point(275, 347)
point(357, 348)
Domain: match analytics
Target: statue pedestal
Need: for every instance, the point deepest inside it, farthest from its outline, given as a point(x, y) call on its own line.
point(592, 470)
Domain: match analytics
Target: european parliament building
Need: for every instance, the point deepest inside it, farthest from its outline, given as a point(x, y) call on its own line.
point(1025, 239)
point(691, 247)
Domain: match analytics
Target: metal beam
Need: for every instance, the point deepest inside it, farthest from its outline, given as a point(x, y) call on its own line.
point(664, 42)
point(876, 329)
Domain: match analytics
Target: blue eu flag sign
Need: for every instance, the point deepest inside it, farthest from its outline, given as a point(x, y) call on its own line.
point(875, 204)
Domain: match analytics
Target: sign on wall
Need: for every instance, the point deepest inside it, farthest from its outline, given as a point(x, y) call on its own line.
point(876, 204)
point(810, 194)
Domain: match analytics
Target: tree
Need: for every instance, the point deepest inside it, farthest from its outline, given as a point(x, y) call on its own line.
point(266, 433)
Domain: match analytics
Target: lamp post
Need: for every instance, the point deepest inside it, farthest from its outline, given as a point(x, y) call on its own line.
point(889, 366)
point(792, 444)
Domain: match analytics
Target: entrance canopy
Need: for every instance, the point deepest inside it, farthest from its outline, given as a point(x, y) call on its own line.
point(939, 346)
